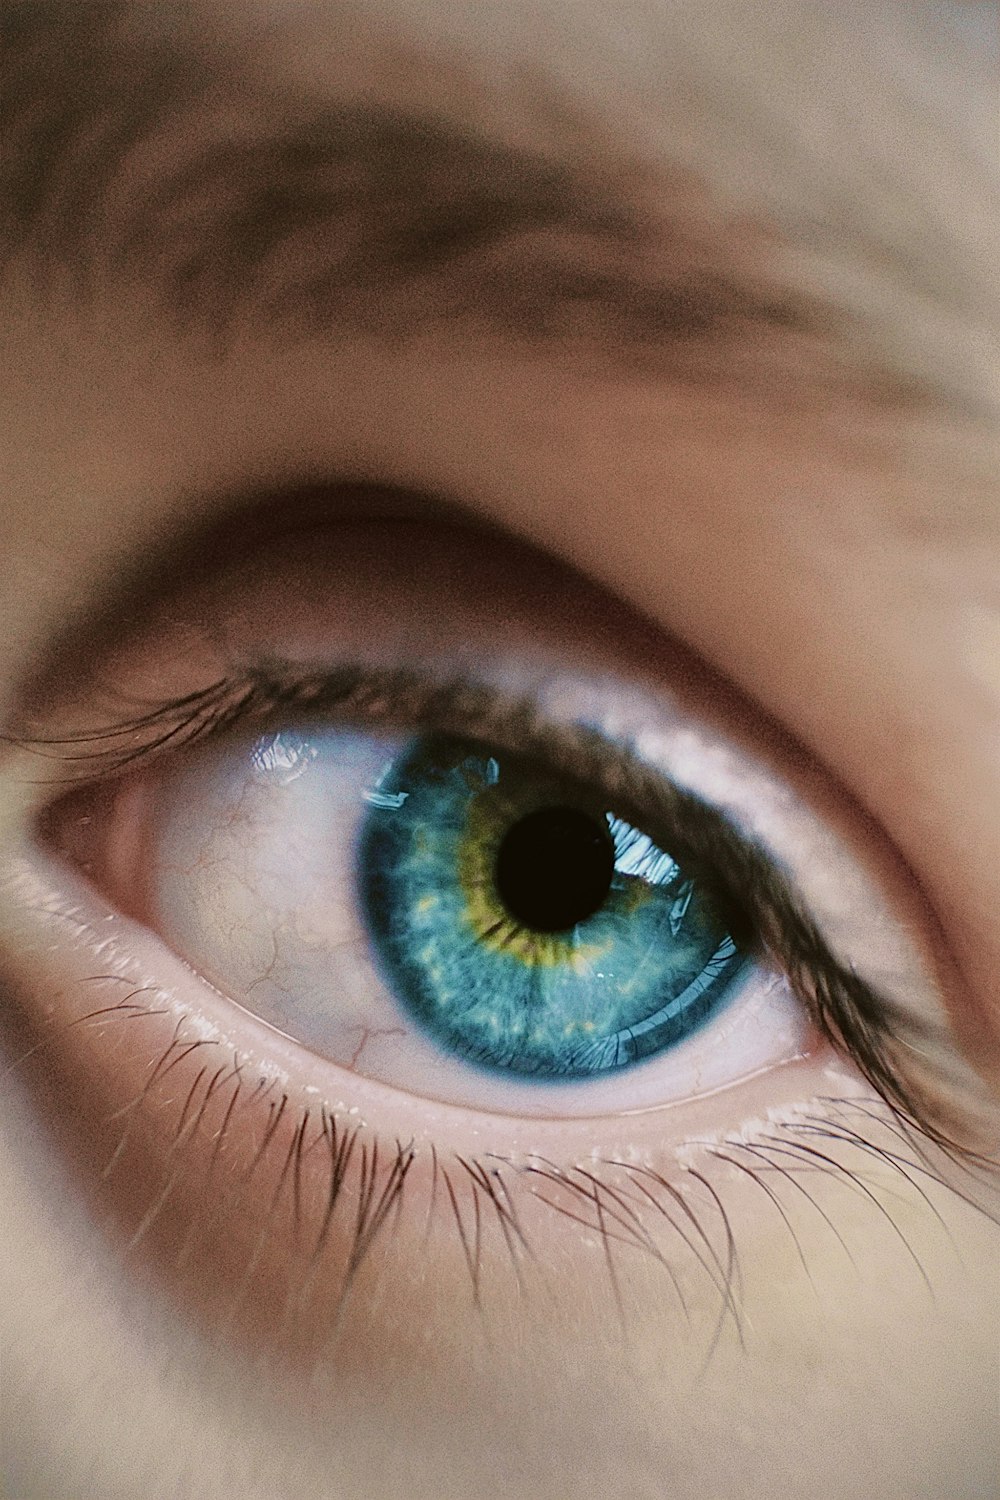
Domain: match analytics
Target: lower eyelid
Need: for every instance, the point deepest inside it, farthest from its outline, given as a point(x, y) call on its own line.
point(215, 1164)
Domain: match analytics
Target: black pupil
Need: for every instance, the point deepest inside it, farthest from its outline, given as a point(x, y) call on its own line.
point(554, 868)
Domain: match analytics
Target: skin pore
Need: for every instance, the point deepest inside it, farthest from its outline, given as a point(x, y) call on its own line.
point(702, 302)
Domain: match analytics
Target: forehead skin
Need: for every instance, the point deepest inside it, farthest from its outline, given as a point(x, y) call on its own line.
point(823, 525)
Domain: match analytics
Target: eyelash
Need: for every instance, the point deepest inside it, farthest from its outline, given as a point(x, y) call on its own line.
point(761, 907)
point(626, 1207)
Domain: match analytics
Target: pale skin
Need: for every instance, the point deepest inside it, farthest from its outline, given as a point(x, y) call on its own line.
point(829, 549)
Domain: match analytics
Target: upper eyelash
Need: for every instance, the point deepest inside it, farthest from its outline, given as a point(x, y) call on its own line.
point(845, 1008)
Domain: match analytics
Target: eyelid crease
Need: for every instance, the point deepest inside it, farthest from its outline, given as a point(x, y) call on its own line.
point(755, 895)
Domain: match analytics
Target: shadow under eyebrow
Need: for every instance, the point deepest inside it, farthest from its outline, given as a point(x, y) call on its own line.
point(353, 217)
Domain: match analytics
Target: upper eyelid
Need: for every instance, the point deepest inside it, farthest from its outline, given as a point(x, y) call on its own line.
point(230, 522)
point(844, 1006)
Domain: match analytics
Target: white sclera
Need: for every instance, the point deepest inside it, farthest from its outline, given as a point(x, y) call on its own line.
point(254, 883)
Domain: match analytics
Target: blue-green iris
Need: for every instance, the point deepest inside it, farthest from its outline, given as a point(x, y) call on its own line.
point(487, 968)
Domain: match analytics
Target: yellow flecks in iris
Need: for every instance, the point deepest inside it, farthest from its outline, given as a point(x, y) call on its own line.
point(499, 932)
point(635, 893)
point(427, 954)
point(582, 958)
point(426, 904)
point(573, 1026)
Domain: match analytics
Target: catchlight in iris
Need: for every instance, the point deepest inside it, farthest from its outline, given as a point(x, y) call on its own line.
point(528, 928)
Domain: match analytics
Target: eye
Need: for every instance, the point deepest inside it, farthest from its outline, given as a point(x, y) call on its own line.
point(474, 861)
point(446, 916)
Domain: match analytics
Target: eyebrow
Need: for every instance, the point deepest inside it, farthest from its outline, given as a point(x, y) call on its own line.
point(348, 216)
point(141, 159)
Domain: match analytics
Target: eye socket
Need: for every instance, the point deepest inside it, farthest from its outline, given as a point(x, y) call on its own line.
point(334, 656)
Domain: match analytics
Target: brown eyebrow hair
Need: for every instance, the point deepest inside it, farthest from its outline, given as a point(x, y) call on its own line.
point(363, 217)
point(306, 218)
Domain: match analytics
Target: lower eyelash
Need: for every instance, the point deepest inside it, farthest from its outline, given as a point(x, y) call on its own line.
point(684, 1221)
